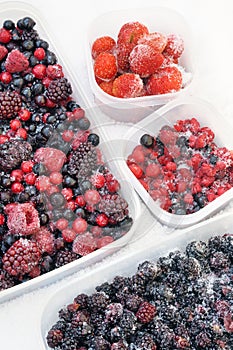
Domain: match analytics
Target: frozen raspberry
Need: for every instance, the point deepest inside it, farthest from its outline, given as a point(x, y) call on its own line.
point(146, 312)
point(84, 244)
point(45, 240)
point(16, 62)
point(53, 159)
point(127, 85)
point(131, 32)
point(54, 71)
point(21, 257)
point(103, 44)
point(23, 219)
point(175, 46)
point(5, 36)
point(3, 52)
point(144, 60)
point(156, 40)
point(165, 80)
point(105, 66)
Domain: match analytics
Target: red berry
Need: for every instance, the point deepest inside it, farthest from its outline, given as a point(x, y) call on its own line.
point(98, 180)
point(127, 85)
point(144, 60)
point(3, 139)
point(42, 183)
point(103, 44)
point(80, 201)
point(165, 80)
point(68, 235)
point(3, 52)
point(39, 53)
point(175, 46)
point(56, 178)
point(102, 220)
point(112, 186)
point(39, 70)
point(15, 124)
point(22, 133)
point(17, 187)
point(62, 224)
point(79, 225)
point(106, 86)
point(5, 36)
point(24, 114)
point(53, 159)
point(67, 135)
point(30, 178)
point(131, 32)
point(23, 218)
point(92, 197)
point(67, 193)
point(105, 66)
point(156, 40)
point(54, 72)
point(16, 62)
point(5, 77)
point(136, 170)
point(27, 166)
point(138, 154)
point(45, 240)
point(17, 175)
point(153, 170)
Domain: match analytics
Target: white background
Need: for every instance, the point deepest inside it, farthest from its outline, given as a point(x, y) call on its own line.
point(212, 27)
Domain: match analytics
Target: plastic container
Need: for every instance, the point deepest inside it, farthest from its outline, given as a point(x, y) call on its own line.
point(182, 108)
point(161, 19)
point(14, 11)
point(127, 266)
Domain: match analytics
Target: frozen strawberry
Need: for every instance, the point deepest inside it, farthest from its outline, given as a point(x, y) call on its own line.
point(156, 40)
point(3, 52)
point(131, 32)
point(105, 66)
point(16, 62)
point(122, 53)
point(23, 219)
point(106, 86)
point(175, 46)
point(84, 244)
point(165, 80)
point(103, 44)
point(144, 60)
point(53, 159)
point(127, 85)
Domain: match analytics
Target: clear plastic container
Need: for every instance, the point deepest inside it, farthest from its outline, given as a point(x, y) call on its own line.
point(127, 266)
point(182, 108)
point(14, 11)
point(161, 19)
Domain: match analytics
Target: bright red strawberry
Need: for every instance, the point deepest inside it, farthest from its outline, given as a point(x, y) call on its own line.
point(105, 66)
point(127, 85)
point(3, 52)
point(106, 86)
point(103, 44)
point(156, 40)
point(16, 62)
point(122, 53)
point(175, 46)
point(144, 60)
point(165, 80)
point(131, 32)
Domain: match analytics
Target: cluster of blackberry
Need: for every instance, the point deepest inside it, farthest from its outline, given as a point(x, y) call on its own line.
point(52, 174)
point(182, 301)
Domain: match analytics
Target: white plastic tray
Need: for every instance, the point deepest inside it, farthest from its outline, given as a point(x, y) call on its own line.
point(182, 108)
point(160, 19)
point(14, 11)
point(127, 266)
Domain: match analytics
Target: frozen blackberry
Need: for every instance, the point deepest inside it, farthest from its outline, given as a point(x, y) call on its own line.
point(10, 104)
point(128, 323)
point(148, 270)
point(31, 35)
point(21, 257)
point(83, 160)
point(98, 301)
point(59, 89)
point(81, 300)
point(99, 343)
point(54, 338)
point(144, 341)
point(64, 257)
point(13, 153)
point(114, 206)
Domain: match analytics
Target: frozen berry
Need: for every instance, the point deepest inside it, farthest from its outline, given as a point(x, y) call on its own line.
point(23, 219)
point(165, 80)
point(127, 85)
point(84, 244)
point(174, 46)
point(105, 66)
point(103, 44)
point(156, 40)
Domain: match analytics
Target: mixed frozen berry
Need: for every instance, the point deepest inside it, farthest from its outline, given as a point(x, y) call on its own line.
point(58, 199)
point(182, 167)
point(138, 62)
point(184, 300)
